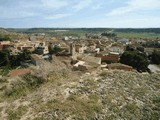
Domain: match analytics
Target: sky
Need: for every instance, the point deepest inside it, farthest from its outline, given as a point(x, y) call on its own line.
point(80, 13)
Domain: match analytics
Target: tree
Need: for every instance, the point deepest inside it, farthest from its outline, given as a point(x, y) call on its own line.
point(108, 34)
point(13, 60)
point(129, 48)
point(135, 59)
point(53, 50)
point(155, 57)
point(4, 58)
point(25, 55)
point(56, 49)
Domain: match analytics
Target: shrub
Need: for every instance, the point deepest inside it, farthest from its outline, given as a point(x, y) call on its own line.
point(33, 81)
point(16, 89)
point(20, 87)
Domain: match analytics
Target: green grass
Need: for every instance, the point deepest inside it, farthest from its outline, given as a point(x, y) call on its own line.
point(138, 35)
point(4, 71)
point(21, 87)
point(75, 106)
point(16, 114)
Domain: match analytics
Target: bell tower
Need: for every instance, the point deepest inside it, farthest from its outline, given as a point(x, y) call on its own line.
point(72, 49)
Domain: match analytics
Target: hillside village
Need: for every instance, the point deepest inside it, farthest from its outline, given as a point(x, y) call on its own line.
point(83, 54)
point(72, 78)
point(79, 59)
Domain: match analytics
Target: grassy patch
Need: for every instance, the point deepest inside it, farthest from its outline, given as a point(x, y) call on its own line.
point(74, 105)
point(105, 74)
point(16, 114)
point(151, 109)
point(33, 81)
point(4, 71)
point(21, 87)
point(130, 111)
point(3, 80)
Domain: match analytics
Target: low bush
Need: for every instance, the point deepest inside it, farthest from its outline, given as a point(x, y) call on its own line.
point(22, 86)
point(16, 114)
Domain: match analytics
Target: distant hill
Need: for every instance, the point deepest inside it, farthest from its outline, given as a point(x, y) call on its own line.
point(3, 31)
point(126, 30)
point(139, 30)
point(146, 33)
point(12, 34)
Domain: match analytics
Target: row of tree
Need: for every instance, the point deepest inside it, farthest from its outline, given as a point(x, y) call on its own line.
point(108, 34)
point(138, 30)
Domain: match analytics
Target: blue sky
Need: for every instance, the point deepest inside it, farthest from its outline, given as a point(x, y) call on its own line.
point(80, 13)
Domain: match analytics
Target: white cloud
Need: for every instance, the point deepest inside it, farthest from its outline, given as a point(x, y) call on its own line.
point(136, 5)
point(82, 4)
point(98, 6)
point(132, 21)
point(15, 13)
point(57, 16)
point(54, 3)
point(146, 22)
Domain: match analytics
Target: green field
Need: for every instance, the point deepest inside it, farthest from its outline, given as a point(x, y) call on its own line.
point(148, 33)
point(139, 35)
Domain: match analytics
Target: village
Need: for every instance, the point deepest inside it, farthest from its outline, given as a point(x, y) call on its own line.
point(88, 53)
point(80, 60)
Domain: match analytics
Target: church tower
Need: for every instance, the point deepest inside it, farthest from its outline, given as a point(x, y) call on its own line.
point(72, 49)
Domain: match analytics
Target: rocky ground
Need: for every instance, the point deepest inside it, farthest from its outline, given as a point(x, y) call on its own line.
point(67, 95)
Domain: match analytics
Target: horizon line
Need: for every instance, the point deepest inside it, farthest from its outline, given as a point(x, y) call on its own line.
point(79, 27)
